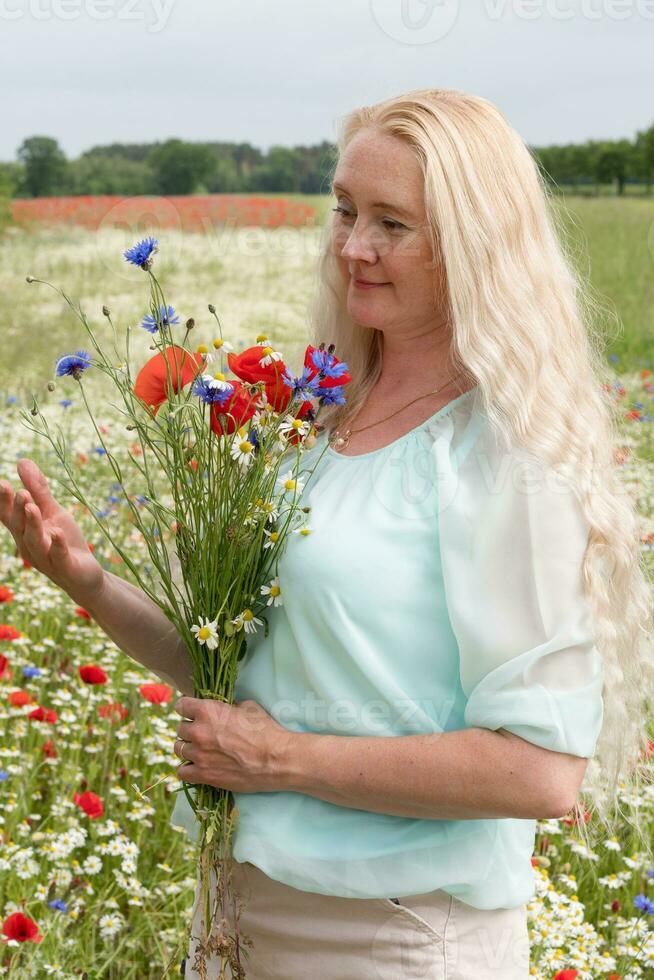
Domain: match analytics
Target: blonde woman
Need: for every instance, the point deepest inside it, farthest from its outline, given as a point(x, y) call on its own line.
point(465, 636)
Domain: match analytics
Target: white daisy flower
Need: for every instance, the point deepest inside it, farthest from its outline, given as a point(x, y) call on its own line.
point(217, 380)
point(291, 425)
point(242, 449)
point(273, 538)
point(206, 632)
point(223, 345)
point(288, 483)
point(304, 531)
point(204, 350)
point(269, 355)
point(274, 592)
point(247, 620)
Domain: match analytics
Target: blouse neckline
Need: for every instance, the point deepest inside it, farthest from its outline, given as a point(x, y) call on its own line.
point(441, 411)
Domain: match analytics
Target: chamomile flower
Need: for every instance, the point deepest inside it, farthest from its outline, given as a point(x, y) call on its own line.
point(304, 530)
point(269, 354)
point(290, 424)
point(247, 621)
point(287, 483)
point(222, 345)
point(206, 632)
point(274, 592)
point(219, 381)
point(273, 538)
point(242, 448)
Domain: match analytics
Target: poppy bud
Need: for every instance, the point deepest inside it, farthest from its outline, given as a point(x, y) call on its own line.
point(29, 278)
point(106, 311)
point(51, 386)
point(212, 308)
point(190, 323)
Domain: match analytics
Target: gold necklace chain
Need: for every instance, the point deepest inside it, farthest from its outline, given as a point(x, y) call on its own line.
point(341, 442)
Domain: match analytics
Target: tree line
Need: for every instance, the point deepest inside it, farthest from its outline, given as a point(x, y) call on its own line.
point(176, 166)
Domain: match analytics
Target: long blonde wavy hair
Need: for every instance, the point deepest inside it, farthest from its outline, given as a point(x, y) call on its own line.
point(525, 327)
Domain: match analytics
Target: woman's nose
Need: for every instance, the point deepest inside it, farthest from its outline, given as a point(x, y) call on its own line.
point(360, 245)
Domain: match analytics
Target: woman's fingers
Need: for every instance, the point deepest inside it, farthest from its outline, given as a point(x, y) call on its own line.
point(34, 536)
point(37, 485)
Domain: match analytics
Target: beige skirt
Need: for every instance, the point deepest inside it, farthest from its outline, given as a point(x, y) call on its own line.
point(298, 934)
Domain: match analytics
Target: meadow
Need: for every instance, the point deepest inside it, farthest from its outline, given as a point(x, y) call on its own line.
point(88, 855)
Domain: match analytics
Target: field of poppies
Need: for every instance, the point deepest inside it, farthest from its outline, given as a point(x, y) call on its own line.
point(95, 881)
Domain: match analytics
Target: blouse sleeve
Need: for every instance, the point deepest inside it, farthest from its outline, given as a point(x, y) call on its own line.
point(513, 537)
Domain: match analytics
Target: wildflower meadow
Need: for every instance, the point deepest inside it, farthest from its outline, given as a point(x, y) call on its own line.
point(95, 881)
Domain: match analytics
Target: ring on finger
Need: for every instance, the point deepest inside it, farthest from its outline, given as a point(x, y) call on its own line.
point(182, 742)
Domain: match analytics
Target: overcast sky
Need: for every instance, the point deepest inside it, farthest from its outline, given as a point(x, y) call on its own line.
point(269, 72)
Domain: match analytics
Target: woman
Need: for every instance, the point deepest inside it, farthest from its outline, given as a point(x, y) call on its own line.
point(466, 625)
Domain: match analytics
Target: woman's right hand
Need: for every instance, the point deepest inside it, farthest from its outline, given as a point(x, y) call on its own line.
point(48, 537)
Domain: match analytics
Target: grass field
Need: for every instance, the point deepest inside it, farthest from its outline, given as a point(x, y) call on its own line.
point(111, 894)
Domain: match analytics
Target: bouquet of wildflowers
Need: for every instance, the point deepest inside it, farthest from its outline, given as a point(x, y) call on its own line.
point(228, 453)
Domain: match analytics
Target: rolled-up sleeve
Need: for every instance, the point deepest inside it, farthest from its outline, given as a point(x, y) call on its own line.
point(513, 537)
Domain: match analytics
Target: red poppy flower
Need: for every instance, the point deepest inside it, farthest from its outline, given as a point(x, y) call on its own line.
point(343, 379)
point(4, 666)
point(8, 632)
point(21, 928)
point(43, 714)
point(79, 611)
point(48, 749)
point(152, 380)
point(19, 698)
point(92, 674)
point(247, 365)
point(6, 595)
point(156, 693)
point(90, 803)
point(82, 457)
point(566, 975)
point(113, 708)
point(239, 407)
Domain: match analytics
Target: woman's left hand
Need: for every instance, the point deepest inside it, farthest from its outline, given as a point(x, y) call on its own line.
point(230, 746)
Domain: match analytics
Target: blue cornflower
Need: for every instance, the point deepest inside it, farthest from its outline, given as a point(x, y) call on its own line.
point(11, 399)
point(140, 499)
point(166, 316)
point(99, 450)
point(31, 672)
point(324, 361)
point(253, 438)
point(59, 904)
point(141, 253)
point(112, 499)
point(3, 775)
point(650, 874)
point(643, 903)
point(65, 402)
point(211, 393)
point(613, 357)
point(73, 364)
point(103, 513)
point(332, 396)
point(304, 386)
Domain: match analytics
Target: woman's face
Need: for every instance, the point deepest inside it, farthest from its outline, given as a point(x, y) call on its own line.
point(380, 235)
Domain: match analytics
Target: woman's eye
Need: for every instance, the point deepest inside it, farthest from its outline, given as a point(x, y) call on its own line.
point(388, 222)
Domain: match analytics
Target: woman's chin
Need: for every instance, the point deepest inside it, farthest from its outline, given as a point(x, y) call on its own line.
point(365, 315)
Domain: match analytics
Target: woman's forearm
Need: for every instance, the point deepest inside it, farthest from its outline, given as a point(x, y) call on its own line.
point(471, 774)
point(138, 626)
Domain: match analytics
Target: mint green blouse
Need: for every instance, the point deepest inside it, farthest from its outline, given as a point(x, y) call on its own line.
point(439, 589)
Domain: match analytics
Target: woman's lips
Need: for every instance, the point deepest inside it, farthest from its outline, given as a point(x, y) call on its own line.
point(360, 284)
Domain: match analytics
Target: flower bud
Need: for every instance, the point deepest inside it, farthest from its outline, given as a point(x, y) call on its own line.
point(51, 386)
point(106, 311)
point(212, 308)
point(29, 278)
point(34, 411)
point(130, 427)
point(190, 323)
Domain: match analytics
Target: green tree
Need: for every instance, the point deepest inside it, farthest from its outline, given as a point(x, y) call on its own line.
point(612, 163)
point(179, 167)
point(45, 166)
